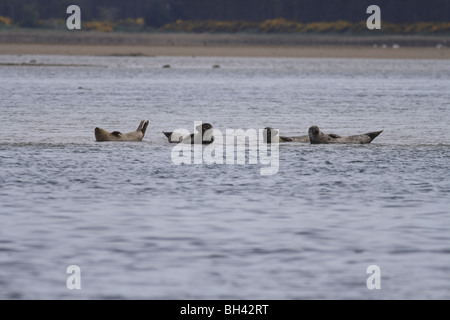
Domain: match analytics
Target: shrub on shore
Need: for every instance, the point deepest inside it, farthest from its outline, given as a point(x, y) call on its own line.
point(5, 21)
point(213, 26)
point(102, 26)
point(286, 26)
point(210, 26)
point(129, 25)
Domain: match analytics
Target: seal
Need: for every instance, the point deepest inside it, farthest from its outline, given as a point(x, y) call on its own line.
point(317, 137)
point(138, 135)
point(206, 130)
point(274, 133)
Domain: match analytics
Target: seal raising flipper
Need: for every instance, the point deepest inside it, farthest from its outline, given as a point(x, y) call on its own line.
point(138, 135)
point(206, 130)
point(317, 137)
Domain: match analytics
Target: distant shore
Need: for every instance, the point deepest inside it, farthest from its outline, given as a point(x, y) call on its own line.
point(21, 42)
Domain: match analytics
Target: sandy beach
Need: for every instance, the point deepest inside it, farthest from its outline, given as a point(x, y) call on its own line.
point(239, 45)
point(232, 50)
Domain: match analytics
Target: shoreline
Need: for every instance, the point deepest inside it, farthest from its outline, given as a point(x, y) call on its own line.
point(49, 42)
point(228, 51)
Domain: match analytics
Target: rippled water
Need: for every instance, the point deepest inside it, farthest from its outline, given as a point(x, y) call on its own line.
point(141, 227)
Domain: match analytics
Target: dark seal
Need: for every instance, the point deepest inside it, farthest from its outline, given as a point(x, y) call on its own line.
point(317, 137)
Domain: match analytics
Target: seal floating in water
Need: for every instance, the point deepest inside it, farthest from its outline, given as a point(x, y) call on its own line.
point(206, 130)
point(138, 135)
point(317, 137)
point(270, 133)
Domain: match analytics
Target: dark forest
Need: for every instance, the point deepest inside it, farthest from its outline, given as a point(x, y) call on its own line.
point(159, 12)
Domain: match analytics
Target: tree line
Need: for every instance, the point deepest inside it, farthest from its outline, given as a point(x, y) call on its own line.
point(157, 13)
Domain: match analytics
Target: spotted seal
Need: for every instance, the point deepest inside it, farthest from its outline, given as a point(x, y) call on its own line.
point(317, 137)
point(138, 135)
point(206, 130)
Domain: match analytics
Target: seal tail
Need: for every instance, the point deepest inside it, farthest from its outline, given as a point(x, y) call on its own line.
point(373, 135)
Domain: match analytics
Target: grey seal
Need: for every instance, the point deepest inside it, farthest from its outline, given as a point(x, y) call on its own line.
point(317, 137)
point(270, 133)
point(138, 135)
point(206, 130)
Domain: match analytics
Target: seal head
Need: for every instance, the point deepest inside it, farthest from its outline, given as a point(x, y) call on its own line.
point(315, 135)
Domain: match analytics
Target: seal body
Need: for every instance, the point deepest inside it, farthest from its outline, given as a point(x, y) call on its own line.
point(318, 137)
point(204, 134)
point(303, 139)
point(270, 134)
point(138, 135)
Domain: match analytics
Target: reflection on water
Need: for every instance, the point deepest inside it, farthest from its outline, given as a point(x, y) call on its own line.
point(141, 227)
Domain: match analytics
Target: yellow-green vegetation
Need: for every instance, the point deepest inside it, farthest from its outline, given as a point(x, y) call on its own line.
point(267, 26)
point(5, 21)
point(104, 26)
point(210, 26)
point(285, 26)
point(121, 25)
point(129, 24)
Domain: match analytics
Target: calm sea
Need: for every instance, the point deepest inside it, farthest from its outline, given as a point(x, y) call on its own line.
point(139, 226)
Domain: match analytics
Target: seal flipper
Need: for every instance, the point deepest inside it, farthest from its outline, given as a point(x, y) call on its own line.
point(117, 133)
point(373, 135)
point(334, 136)
point(167, 134)
point(143, 127)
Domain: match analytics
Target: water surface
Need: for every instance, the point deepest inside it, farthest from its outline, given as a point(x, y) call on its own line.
point(141, 227)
